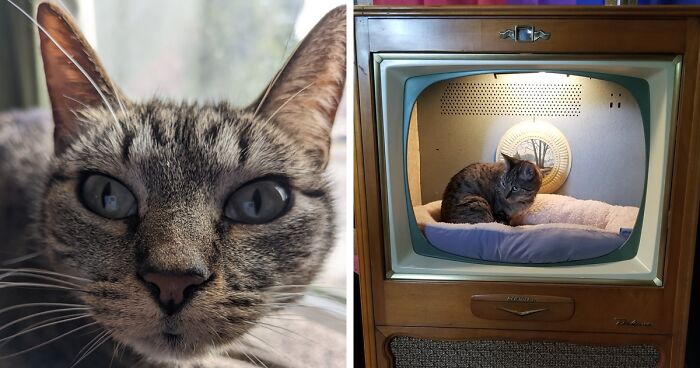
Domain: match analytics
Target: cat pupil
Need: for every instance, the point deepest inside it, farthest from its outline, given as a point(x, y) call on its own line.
point(109, 202)
point(252, 207)
point(257, 199)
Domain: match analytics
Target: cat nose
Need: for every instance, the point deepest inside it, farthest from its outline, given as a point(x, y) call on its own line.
point(173, 289)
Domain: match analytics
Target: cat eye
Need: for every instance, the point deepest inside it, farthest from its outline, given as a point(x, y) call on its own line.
point(258, 202)
point(108, 197)
point(514, 189)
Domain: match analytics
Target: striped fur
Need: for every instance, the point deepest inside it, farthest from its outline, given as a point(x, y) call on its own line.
point(181, 161)
point(491, 192)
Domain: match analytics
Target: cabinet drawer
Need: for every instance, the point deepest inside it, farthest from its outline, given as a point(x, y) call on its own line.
point(483, 35)
point(511, 306)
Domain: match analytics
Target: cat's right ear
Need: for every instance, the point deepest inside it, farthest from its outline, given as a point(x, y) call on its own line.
point(70, 88)
point(510, 161)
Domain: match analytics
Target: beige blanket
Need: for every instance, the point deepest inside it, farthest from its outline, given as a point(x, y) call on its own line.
point(555, 208)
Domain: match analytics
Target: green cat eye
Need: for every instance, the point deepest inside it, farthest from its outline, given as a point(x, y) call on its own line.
point(257, 202)
point(108, 197)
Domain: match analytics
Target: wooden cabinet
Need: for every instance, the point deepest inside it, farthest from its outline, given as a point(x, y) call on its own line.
point(590, 314)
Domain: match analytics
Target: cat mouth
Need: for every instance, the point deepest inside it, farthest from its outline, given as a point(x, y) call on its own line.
point(172, 336)
point(172, 339)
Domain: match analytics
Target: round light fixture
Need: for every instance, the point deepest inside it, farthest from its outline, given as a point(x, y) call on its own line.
point(543, 144)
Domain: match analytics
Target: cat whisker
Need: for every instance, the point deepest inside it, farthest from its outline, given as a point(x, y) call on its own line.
point(27, 305)
point(259, 360)
point(89, 343)
point(297, 305)
point(92, 332)
point(36, 276)
point(312, 292)
point(330, 316)
point(291, 293)
point(249, 359)
point(84, 315)
point(114, 353)
point(43, 313)
point(76, 101)
point(31, 285)
point(271, 327)
point(21, 258)
point(48, 342)
point(52, 319)
point(44, 272)
point(287, 101)
point(296, 318)
point(308, 293)
point(286, 289)
point(256, 358)
point(300, 316)
point(243, 351)
point(313, 315)
point(277, 76)
point(98, 341)
point(42, 322)
point(304, 286)
point(72, 60)
point(269, 346)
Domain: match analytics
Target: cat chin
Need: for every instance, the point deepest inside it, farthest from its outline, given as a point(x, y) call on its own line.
point(169, 356)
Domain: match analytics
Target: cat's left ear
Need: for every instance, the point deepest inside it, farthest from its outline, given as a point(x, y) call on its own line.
point(304, 96)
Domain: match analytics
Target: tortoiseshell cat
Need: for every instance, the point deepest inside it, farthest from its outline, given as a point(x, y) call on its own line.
point(491, 192)
point(161, 232)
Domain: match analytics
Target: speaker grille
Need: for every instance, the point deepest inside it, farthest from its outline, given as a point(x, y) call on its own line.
point(511, 99)
point(411, 352)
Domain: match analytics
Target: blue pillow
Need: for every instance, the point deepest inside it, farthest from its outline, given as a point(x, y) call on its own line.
point(546, 243)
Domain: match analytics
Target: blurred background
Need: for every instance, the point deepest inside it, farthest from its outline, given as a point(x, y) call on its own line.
point(197, 51)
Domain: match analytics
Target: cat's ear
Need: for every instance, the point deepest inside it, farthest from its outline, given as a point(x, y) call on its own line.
point(509, 161)
point(304, 96)
point(69, 87)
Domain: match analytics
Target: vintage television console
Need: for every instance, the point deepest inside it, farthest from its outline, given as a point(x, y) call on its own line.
point(606, 101)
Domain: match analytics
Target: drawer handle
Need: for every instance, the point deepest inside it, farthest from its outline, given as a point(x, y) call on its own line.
point(523, 313)
point(524, 34)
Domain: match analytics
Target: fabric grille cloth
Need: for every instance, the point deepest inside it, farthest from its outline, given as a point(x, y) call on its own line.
point(411, 352)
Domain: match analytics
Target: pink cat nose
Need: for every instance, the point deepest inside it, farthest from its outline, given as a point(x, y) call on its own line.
point(173, 289)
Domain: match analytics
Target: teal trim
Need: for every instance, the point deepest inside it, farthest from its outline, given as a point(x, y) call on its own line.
point(414, 86)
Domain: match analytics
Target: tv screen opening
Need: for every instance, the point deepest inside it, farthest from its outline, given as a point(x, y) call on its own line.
point(529, 168)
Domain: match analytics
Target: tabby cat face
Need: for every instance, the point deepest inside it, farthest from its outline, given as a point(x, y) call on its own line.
point(185, 216)
point(521, 180)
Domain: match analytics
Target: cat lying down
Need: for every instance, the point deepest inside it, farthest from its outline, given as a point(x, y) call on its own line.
point(555, 228)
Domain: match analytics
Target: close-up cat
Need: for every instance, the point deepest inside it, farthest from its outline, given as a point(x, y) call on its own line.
point(483, 192)
point(160, 233)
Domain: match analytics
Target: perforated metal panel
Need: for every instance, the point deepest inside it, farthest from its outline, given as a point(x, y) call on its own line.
point(511, 99)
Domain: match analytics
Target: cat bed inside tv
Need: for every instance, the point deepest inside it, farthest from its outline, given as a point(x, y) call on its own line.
point(555, 228)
